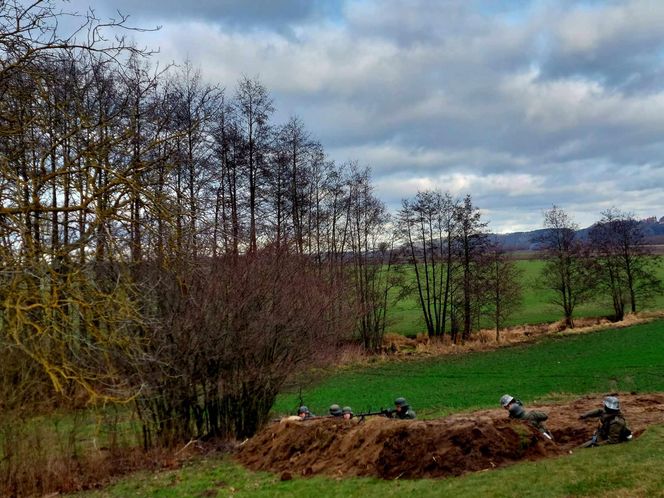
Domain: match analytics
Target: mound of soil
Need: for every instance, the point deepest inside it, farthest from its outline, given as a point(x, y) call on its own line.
point(431, 448)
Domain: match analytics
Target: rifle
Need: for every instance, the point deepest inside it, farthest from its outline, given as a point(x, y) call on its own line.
point(591, 443)
point(314, 417)
point(384, 412)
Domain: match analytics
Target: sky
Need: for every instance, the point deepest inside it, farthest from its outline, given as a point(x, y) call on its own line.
point(523, 104)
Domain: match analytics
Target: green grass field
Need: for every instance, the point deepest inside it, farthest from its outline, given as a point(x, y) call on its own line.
point(405, 317)
point(629, 359)
point(626, 359)
point(628, 470)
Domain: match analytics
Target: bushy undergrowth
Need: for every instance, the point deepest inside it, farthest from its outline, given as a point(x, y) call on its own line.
point(64, 450)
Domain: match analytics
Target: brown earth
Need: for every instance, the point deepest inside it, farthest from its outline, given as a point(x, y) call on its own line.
point(449, 446)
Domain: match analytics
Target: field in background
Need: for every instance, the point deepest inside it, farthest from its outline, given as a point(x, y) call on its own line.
point(406, 317)
point(628, 359)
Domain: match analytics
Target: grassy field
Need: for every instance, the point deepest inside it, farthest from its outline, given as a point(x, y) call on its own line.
point(557, 367)
point(626, 359)
point(632, 470)
point(405, 317)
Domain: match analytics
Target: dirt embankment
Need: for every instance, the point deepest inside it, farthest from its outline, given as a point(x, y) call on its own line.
point(431, 448)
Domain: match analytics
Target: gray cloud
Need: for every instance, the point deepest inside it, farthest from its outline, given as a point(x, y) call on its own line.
point(523, 104)
point(237, 14)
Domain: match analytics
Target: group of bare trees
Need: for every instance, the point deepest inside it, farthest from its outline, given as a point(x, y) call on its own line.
point(614, 262)
point(461, 276)
point(163, 239)
point(464, 281)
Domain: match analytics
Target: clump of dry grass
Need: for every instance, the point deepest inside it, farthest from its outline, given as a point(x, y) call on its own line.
point(396, 346)
point(39, 457)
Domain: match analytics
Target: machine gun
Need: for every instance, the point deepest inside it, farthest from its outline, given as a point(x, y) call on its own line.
point(383, 412)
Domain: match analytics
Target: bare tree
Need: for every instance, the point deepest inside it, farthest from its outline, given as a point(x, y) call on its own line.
point(471, 244)
point(373, 270)
point(299, 150)
point(229, 149)
point(427, 227)
point(566, 270)
point(626, 266)
point(254, 107)
point(503, 286)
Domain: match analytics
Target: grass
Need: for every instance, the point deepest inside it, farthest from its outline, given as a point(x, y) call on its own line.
point(628, 359)
point(624, 359)
point(81, 429)
point(632, 470)
point(405, 317)
point(39, 453)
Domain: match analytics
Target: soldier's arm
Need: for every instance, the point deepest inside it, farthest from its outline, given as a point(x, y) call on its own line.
point(592, 414)
point(539, 416)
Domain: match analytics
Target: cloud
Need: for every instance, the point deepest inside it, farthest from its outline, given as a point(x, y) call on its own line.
point(281, 16)
point(521, 103)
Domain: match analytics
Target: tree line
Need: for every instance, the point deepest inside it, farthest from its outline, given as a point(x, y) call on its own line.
point(164, 242)
point(614, 261)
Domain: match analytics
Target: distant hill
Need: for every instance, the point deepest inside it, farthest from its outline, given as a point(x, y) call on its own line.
point(527, 241)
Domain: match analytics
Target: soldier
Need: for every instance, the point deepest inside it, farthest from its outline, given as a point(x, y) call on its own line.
point(612, 425)
point(347, 412)
point(534, 418)
point(506, 401)
point(304, 413)
point(335, 411)
point(401, 410)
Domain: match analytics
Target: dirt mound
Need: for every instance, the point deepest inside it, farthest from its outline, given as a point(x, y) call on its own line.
point(431, 448)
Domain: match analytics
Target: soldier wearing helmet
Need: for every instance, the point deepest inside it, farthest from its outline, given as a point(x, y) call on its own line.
point(506, 400)
point(402, 410)
point(303, 412)
point(534, 418)
point(347, 412)
point(336, 411)
point(612, 425)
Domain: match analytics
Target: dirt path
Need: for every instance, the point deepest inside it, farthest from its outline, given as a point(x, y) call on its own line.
point(431, 448)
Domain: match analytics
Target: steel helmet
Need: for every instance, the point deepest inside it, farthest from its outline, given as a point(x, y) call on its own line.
point(335, 410)
point(517, 411)
point(303, 409)
point(400, 402)
point(612, 403)
point(347, 409)
point(506, 399)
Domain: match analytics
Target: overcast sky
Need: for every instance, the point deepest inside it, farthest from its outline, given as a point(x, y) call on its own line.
point(523, 104)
